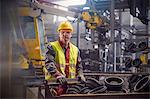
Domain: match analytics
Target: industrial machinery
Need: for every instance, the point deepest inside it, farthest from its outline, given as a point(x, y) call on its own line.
point(99, 59)
point(91, 18)
point(98, 22)
point(31, 40)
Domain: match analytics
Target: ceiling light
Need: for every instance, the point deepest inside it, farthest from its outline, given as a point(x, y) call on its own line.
point(70, 18)
point(70, 2)
point(86, 8)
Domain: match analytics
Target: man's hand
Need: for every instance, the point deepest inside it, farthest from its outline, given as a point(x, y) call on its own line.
point(81, 78)
point(62, 80)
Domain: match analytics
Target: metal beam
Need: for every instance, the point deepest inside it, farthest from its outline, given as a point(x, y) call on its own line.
point(120, 33)
point(101, 5)
point(54, 11)
point(53, 0)
point(78, 34)
point(112, 25)
point(107, 96)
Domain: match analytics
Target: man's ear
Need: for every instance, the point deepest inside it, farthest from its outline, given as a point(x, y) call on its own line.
point(71, 35)
point(59, 34)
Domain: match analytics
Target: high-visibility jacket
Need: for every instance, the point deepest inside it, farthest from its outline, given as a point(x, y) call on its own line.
point(61, 61)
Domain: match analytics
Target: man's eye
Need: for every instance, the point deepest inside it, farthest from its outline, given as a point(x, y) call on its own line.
point(68, 32)
point(65, 32)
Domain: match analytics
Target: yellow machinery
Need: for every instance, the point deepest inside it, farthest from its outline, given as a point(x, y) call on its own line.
point(144, 58)
point(92, 19)
point(31, 40)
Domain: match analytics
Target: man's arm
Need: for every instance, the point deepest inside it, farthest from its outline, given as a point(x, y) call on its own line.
point(50, 62)
point(79, 66)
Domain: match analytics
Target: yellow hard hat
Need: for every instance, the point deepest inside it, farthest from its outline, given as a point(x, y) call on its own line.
point(65, 25)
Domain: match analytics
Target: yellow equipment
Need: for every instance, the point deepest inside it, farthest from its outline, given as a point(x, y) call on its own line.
point(32, 38)
point(65, 25)
point(92, 19)
point(144, 58)
point(23, 62)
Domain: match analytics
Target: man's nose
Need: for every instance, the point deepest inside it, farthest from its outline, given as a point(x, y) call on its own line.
point(65, 34)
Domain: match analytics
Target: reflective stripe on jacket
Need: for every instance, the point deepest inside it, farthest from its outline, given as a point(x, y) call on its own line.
point(61, 61)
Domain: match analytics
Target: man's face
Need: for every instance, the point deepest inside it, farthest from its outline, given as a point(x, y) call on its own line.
point(65, 35)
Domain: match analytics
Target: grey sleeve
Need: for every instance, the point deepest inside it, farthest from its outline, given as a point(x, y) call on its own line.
point(50, 61)
point(79, 65)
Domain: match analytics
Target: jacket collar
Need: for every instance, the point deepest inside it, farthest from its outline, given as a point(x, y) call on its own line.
point(63, 45)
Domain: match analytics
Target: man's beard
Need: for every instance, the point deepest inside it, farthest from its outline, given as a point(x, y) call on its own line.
point(66, 41)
